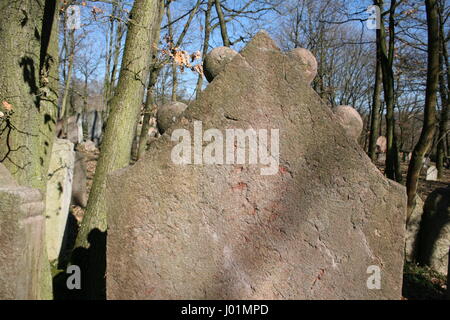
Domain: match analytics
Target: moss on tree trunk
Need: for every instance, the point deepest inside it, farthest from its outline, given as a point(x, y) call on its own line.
point(29, 82)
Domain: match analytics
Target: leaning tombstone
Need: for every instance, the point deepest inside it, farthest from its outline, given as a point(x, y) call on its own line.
point(59, 193)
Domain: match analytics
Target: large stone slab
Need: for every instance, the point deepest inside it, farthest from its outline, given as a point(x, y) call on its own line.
point(59, 194)
point(312, 230)
point(22, 240)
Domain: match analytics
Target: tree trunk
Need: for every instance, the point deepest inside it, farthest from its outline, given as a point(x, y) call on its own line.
point(198, 88)
point(376, 104)
point(443, 89)
point(29, 82)
point(387, 56)
point(116, 146)
point(223, 24)
point(63, 110)
point(155, 68)
point(429, 121)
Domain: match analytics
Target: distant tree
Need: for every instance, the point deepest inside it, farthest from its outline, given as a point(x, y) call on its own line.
point(429, 121)
point(116, 145)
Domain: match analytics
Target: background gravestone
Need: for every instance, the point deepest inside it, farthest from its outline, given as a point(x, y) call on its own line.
point(434, 234)
point(412, 230)
point(431, 173)
point(79, 191)
point(22, 240)
point(75, 129)
point(311, 231)
point(59, 193)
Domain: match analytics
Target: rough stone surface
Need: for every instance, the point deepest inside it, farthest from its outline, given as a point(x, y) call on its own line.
point(434, 235)
point(306, 58)
point(350, 119)
point(59, 194)
point(381, 144)
point(79, 192)
point(412, 231)
point(169, 114)
point(216, 61)
point(22, 240)
point(227, 232)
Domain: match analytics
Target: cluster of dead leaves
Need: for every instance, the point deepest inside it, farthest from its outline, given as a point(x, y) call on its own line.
point(182, 58)
point(8, 109)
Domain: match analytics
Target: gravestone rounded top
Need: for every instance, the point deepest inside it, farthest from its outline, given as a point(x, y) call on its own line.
point(168, 114)
point(350, 119)
point(305, 57)
point(216, 60)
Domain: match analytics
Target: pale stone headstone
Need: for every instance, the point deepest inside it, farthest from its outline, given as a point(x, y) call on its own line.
point(22, 240)
point(434, 234)
point(314, 228)
point(431, 173)
point(59, 193)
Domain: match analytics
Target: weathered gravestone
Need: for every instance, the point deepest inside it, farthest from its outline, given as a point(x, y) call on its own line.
point(59, 193)
point(431, 173)
point(22, 240)
point(434, 234)
point(79, 192)
point(320, 226)
point(75, 129)
point(412, 230)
